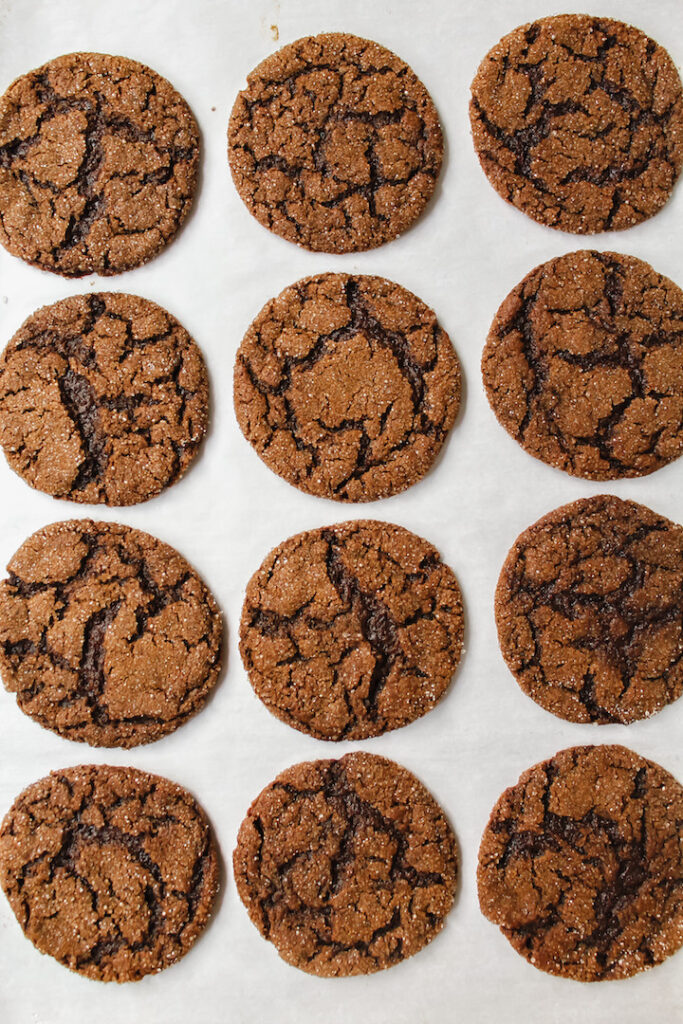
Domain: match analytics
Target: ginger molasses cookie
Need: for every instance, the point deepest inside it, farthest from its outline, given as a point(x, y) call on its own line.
point(581, 864)
point(98, 164)
point(583, 365)
point(589, 608)
point(103, 399)
point(107, 635)
point(112, 871)
point(346, 866)
point(352, 630)
point(335, 144)
point(347, 386)
point(578, 122)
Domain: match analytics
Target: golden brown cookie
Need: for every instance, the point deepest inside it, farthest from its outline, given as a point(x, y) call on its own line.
point(347, 386)
point(352, 630)
point(112, 871)
point(578, 122)
point(589, 609)
point(581, 864)
point(583, 365)
point(98, 164)
point(103, 399)
point(107, 635)
point(346, 866)
point(335, 144)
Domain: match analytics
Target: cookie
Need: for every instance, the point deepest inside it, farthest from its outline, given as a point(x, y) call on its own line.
point(103, 399)
point(589, 609)
point(352, 630)
point(98, 164)
point(578, 122)
point(346, 866)
point(335, 144)
point(347, 386)
point(581, 864)
point(112, 871)
point(583, 365)
point(107, 636)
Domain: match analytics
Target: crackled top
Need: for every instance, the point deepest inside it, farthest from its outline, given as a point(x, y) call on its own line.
point(581, 864)
point(346, 866)
point(589, 608)
point(98, 164)
point(107, 635)
point(335, 144)
point(347, 386)
point(352, 630)
point(583, 365)
point(578, 121)
point(103, 399)
point(112, 871)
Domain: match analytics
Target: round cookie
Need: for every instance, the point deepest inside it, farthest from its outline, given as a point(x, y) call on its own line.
point(346, 866)
point(107, 635)
point(578, 122)
point(352, 630)
point(583, 365)
point(98, 164)
point(347, 386)
point(581, 864)
point(103, 399)
point(335, 144)
point(112, 871)
point(589, 609)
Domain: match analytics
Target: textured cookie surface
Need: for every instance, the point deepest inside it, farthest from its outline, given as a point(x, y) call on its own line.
point(352, 630)
point(347, 386)
point(583, 365)
point(106, 635)
point(335, 144)
point(589, 608)
point(112, 871)
point(103, 399)
point(98, 164)
point(346, 866)
point(581, 864)
point(578, 121)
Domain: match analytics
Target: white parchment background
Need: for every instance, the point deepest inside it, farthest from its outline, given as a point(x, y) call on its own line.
point(462, 258)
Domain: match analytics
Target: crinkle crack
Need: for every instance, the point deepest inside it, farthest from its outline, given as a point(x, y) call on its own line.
point(578, 121)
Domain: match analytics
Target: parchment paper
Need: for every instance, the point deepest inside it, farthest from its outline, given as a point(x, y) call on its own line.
point(461, 258)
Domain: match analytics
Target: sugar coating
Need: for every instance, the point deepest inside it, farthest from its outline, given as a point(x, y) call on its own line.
point(103, 399)
point(346, 866)
point(581, 864)
point(589, 609)
point(578, 122)
point(335, 144)
point(583, 365)
point(98, 164)
point(352, 630)
point(107, 635)
point(347, 386)
point(112, 871)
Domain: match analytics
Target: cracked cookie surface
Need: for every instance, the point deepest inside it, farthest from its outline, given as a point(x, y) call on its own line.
point(352, 630)
point(581, 864)
point(583, 365)
point(578, 122)
point(335, 144)
point(347, 386)
point(346, 866)
point(103, 399)
point(98, 164)
point(107, 635)
point(589, 609)
point(111, 871)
